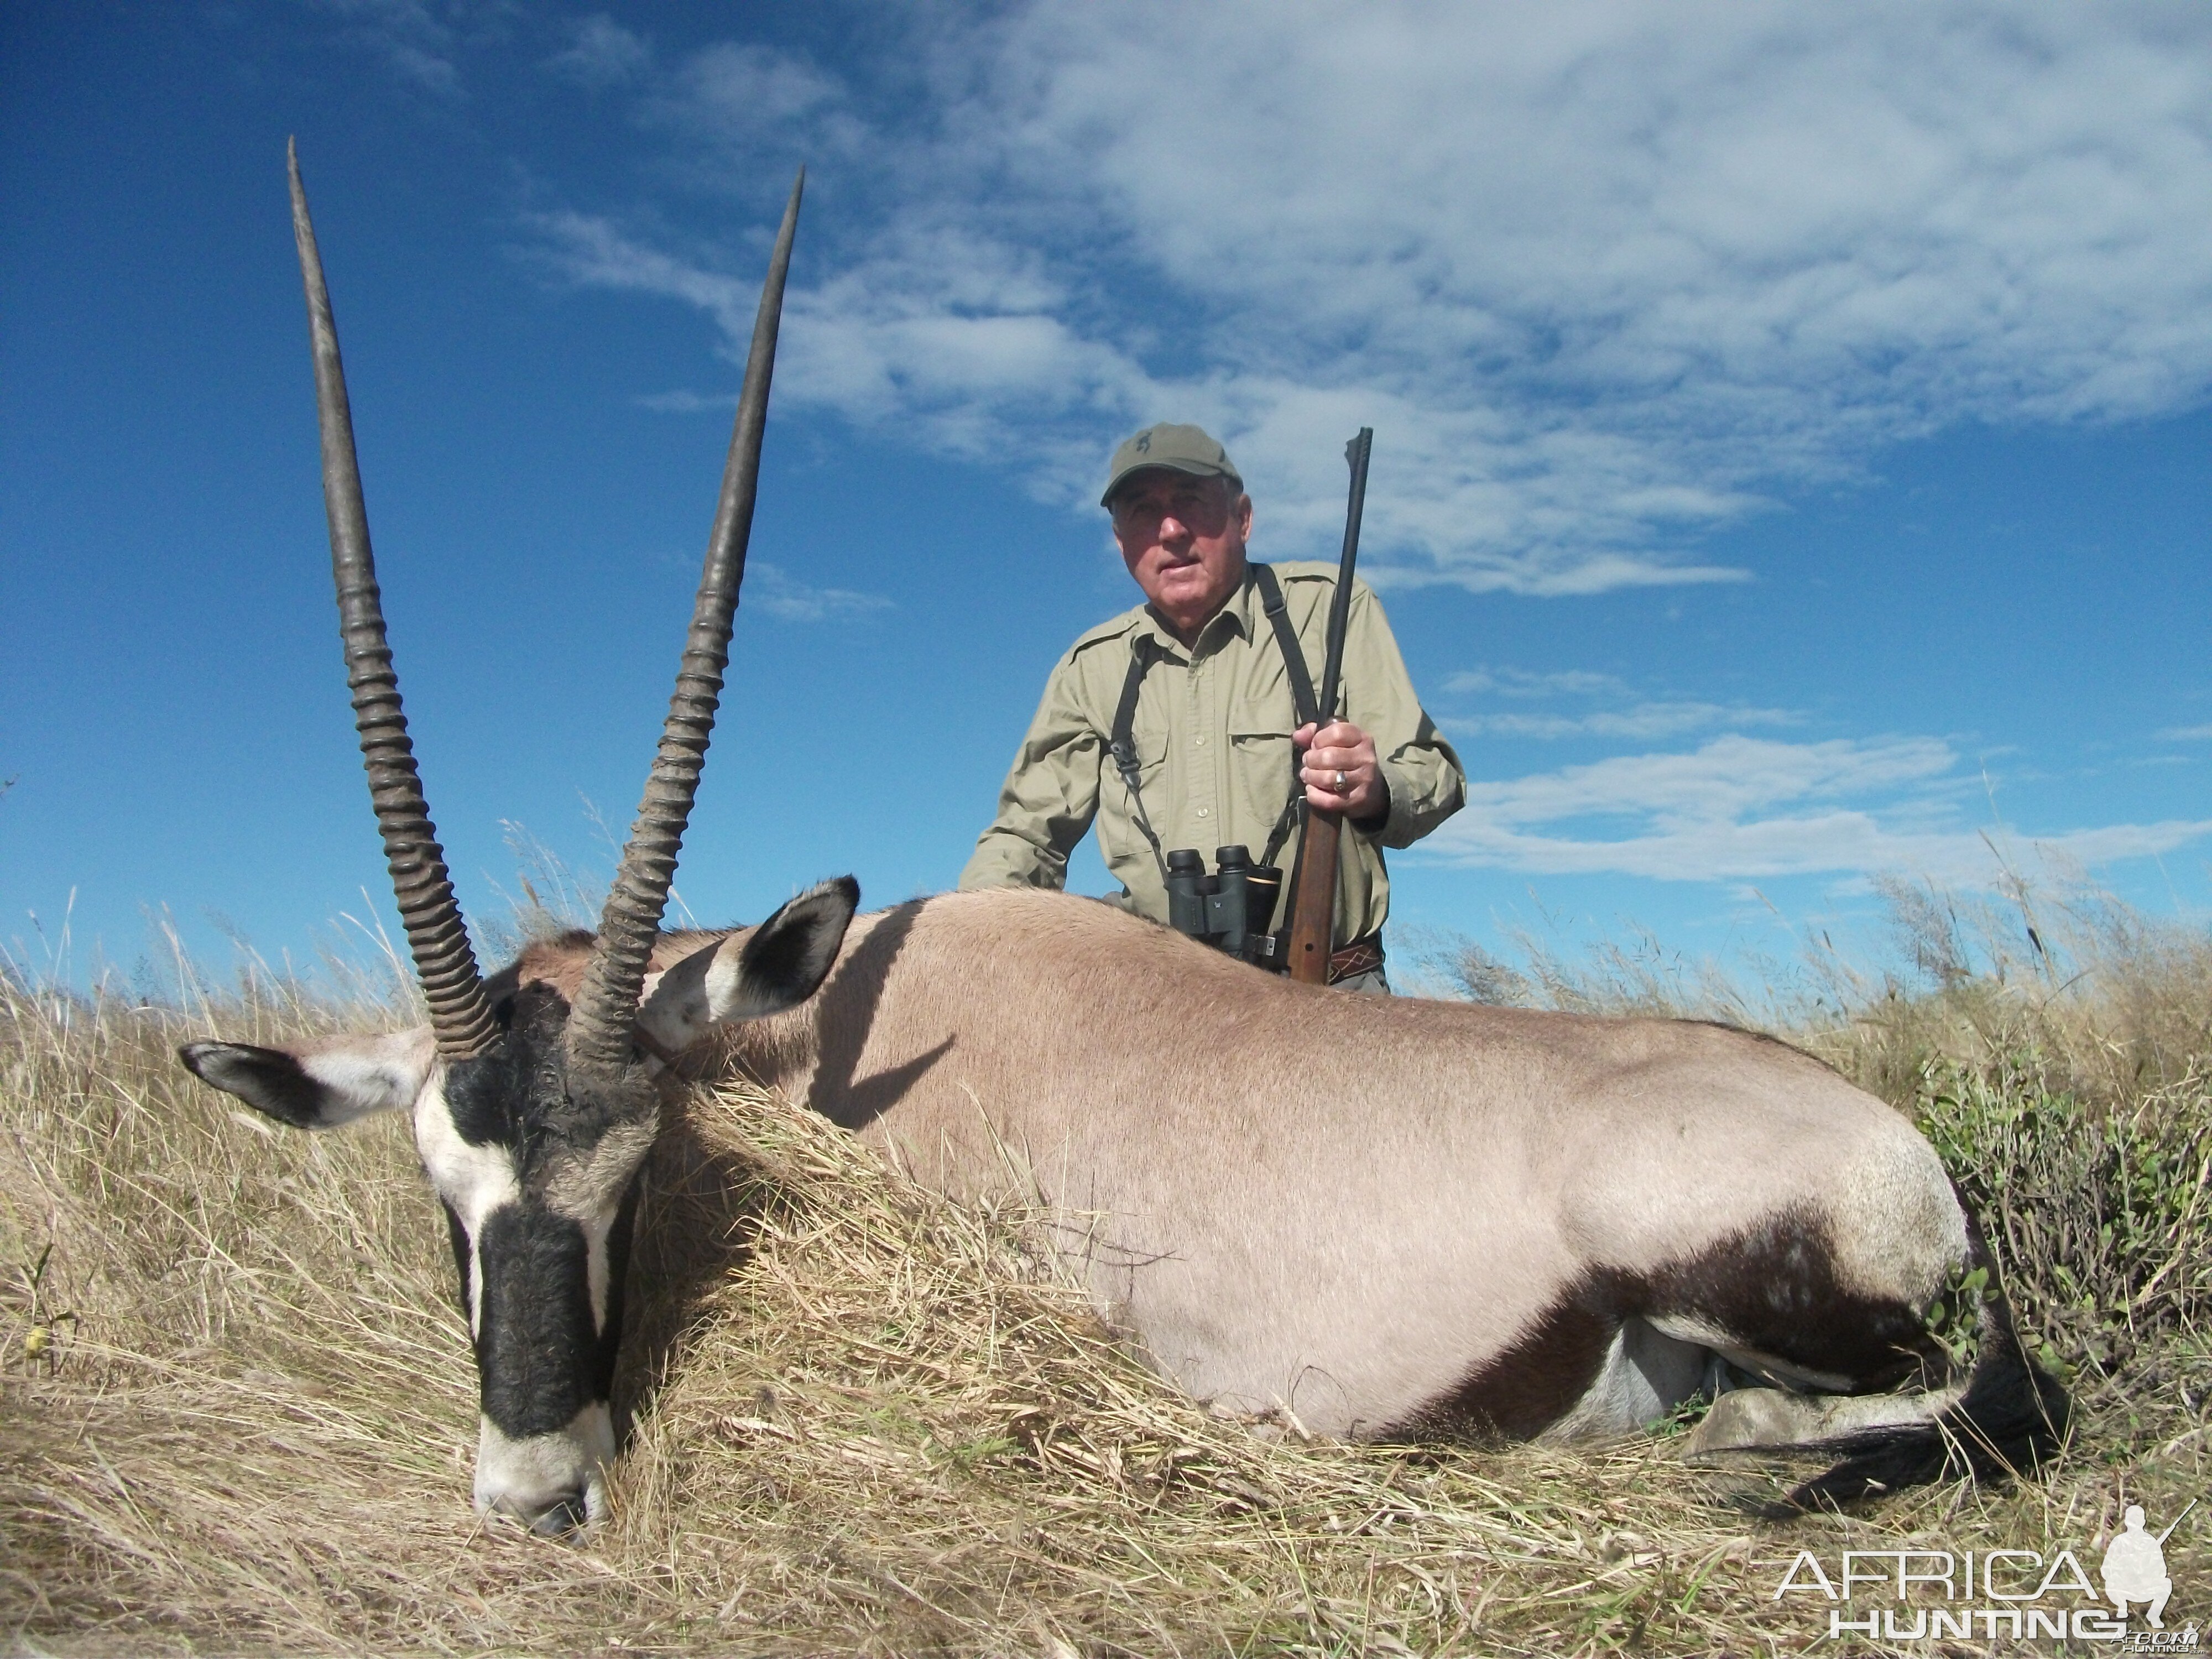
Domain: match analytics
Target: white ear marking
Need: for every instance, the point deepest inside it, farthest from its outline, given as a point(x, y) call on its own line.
point(784, 961)
point(725, 983)
point(366, 1074)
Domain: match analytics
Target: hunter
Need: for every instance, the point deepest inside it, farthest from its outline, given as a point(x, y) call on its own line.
point(1199, 682)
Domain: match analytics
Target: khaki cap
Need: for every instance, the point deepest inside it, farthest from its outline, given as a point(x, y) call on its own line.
point(1179, 449)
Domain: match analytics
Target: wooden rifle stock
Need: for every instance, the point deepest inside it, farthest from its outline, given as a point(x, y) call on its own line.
point(1313, 883)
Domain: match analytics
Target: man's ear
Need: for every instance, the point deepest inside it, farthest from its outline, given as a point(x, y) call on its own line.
point(320, 1083)
point(772, 967)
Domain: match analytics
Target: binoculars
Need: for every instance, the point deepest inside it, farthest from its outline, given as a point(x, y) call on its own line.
point(1230, 909)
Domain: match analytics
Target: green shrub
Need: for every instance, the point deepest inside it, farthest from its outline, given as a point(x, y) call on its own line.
point(2098, 1213)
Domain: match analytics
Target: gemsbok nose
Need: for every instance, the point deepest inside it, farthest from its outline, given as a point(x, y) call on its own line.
point(553, 1484)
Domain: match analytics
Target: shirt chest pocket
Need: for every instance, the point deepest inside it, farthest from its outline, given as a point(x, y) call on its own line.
point(1118, 834)
point(1260, 761)
point(1152, 750)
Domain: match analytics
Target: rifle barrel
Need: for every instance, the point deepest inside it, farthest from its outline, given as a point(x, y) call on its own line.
point(1313, 883)
point(1340, 604)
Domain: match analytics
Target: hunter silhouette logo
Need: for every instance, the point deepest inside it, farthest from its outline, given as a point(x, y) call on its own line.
point(2135, 1565)
point(1929, 1594)
point(1143, 444)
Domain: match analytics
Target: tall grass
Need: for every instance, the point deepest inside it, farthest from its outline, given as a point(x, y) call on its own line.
point(862, 1419)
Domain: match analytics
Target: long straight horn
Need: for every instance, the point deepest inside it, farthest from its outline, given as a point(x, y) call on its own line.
point(600, 1024)
point(459, 1016)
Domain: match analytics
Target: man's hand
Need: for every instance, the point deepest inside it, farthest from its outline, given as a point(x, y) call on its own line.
point(1340, 774)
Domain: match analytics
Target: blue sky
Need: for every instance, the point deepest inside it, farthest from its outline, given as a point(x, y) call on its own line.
point(1791, 458)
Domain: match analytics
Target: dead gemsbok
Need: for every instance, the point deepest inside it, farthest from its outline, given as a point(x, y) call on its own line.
point(1441, 1219)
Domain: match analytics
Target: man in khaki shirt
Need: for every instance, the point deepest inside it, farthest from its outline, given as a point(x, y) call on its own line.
point(1214, 727)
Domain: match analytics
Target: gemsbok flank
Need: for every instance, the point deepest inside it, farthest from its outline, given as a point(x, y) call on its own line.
point(1373, 1218)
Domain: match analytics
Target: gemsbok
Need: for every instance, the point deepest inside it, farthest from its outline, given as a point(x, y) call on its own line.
point(1384, 1218)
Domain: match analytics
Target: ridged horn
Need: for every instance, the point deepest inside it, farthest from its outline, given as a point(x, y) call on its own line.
point(601, 1023)
point(459, 1016)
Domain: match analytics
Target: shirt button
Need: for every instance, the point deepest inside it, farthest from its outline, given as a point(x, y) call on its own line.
point(1201, 812)
point(1198, 743)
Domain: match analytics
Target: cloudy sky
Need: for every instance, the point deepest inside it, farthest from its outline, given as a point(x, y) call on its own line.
point(1791, 457)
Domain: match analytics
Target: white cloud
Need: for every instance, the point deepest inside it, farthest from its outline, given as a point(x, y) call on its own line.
point(727, 103)
point(729, 89)
point(1744, 808)
point(2187, 733)
point(682, 402)
point(603, 53)
point(1524, 682)
point(1641, 722)
point(1604, 275)
point(768, 588)
point(415, 42)
point(1637, 719)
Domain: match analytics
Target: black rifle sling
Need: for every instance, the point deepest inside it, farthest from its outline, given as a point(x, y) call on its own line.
point(1302, 700)
point(1122, 744)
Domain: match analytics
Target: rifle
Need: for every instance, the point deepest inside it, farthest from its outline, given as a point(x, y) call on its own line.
point(1313, 885)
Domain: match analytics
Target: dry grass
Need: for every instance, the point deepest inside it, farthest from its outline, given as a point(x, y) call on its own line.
point(864, 1419)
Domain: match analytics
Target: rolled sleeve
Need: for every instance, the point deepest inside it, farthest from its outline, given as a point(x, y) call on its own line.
point(1422, 770)
point(1427, 787)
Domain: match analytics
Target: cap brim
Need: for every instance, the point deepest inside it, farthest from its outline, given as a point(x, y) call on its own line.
point(1192, 468)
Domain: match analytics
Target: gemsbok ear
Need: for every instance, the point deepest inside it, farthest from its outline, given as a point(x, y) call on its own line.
point(321, 1083)
point(776, 966)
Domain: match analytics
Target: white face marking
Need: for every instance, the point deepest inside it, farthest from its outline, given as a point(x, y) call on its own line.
point(474, 1179)
point(589, 1192)
point(527, 1478)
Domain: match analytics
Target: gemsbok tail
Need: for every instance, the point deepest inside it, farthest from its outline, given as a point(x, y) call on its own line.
point(2009, 1420)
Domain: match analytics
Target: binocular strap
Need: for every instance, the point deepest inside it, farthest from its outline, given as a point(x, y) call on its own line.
point(1121, 742)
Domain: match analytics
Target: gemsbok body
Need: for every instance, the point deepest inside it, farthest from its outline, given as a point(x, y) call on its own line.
point(1439, 1219)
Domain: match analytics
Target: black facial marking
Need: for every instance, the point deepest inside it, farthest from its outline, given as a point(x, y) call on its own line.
point(1773, 1288)
point(479, 1100)
point(536, 1351)
point(618, 1243)
point(494, 1097)
point(458, 1235)
point(270, 1082)
point(519, 1093)
point(540, 1358)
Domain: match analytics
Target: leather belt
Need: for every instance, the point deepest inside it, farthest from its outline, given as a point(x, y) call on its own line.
point(1362, 956)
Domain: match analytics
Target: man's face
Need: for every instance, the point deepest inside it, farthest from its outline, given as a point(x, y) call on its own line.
point(1182, 538)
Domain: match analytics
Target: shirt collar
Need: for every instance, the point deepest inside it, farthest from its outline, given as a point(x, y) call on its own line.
point(1237, 615)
